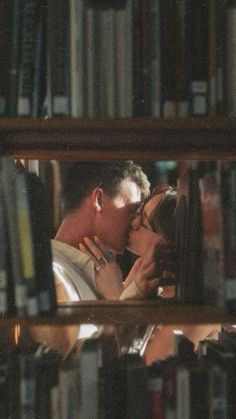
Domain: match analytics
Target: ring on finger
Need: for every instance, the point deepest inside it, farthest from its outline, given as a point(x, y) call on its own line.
point(97, 267)
point(109, 256)
point(102, 261)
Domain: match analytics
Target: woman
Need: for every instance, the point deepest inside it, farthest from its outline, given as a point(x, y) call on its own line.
point(152, 239)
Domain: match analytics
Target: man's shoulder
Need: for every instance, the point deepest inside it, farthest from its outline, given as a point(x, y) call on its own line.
point(73, 266)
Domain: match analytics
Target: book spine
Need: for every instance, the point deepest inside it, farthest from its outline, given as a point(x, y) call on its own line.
point(229, 222)
point(5, 53)
point(26, 242)
point(15, 56)
point(213, 242)
point(183, 397)
point(27, 59)
point(3, 256)
point(212, 58)
point(155, 59)
point(107, 62)
point(58, 61)
point(181, 62)
point(169, 36)
point(89, 379)
point(123, 44)
point(197, 53)
point(155, 397)
point(92, 62)
point(39, 210)
point(39, 77)
point(77, 58)
point(9, 173)
point(28, 386)
point(231, 58)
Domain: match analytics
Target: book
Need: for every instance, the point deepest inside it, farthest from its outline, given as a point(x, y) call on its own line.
point(91, 61)
point(189, 251)
point(18, 291)
point(41, 228)
point(26, 243)
point(228, 188)
point(89, 364)
point(39, 79)
point(58, 58)
point(4, 273)
point(27, 62)
point(106, 62)
point(197, 56)
point(17, 7)
point(213, 241)
point(6, 11)
point(169, 36)
point(230, 57)
point(155, 59)
point(77, 57)
point(155, 392)
point(123, 68)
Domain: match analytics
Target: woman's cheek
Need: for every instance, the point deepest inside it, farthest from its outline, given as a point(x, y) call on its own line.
point(140, 241)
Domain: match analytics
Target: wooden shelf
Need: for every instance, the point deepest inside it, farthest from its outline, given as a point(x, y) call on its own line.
point(128, 312)
point(140, 138)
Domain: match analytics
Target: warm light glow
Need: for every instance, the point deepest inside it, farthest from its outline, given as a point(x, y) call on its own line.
point(16, 334)
point(178, 332)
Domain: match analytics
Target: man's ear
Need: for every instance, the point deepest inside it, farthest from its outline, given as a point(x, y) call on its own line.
point(97, 199)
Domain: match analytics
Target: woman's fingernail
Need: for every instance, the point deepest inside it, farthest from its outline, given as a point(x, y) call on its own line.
point(86, 239)
point(96, 238)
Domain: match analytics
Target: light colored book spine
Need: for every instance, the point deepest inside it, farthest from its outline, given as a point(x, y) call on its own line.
point(123, 47)
point(9, 172)
point(107, 62)
point(91, 63)
point(89, 369)
point(26, 243)
point(183, 397)
point(76, 27)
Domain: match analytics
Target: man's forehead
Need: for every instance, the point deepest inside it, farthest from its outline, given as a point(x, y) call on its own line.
point(130, 191)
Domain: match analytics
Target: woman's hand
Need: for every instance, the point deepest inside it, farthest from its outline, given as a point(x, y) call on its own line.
point(107, 271)
point(147, 271)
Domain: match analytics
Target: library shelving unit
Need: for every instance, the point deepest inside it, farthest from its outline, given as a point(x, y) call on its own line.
point(139, 139)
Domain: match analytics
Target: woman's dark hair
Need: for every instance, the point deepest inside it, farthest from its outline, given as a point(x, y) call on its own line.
point(162, 218)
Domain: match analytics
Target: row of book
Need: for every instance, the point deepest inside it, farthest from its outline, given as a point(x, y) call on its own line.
point(186, 385)
point(83, 58)
point(26, 275)
point(206, 235)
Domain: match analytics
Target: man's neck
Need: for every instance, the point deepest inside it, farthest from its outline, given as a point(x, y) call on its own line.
point(74, 228)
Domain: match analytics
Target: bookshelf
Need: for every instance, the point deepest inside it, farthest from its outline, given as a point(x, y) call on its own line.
point(140, 138)
point(124, 138)
point(126, 312)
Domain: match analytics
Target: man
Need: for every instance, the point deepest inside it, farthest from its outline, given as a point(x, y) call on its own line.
point(101, 200)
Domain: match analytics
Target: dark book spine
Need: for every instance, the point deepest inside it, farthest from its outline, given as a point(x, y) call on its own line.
point(15, 55)
point(169, 36)
point(58, 58)
point(4, 274)
point(213, 245)
point(137, 77)
point(39, 79)
point(197, 56)
point(229, 222)
point(30, 15)
point(231, 57)
point(39, 210)
point(5, 53)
